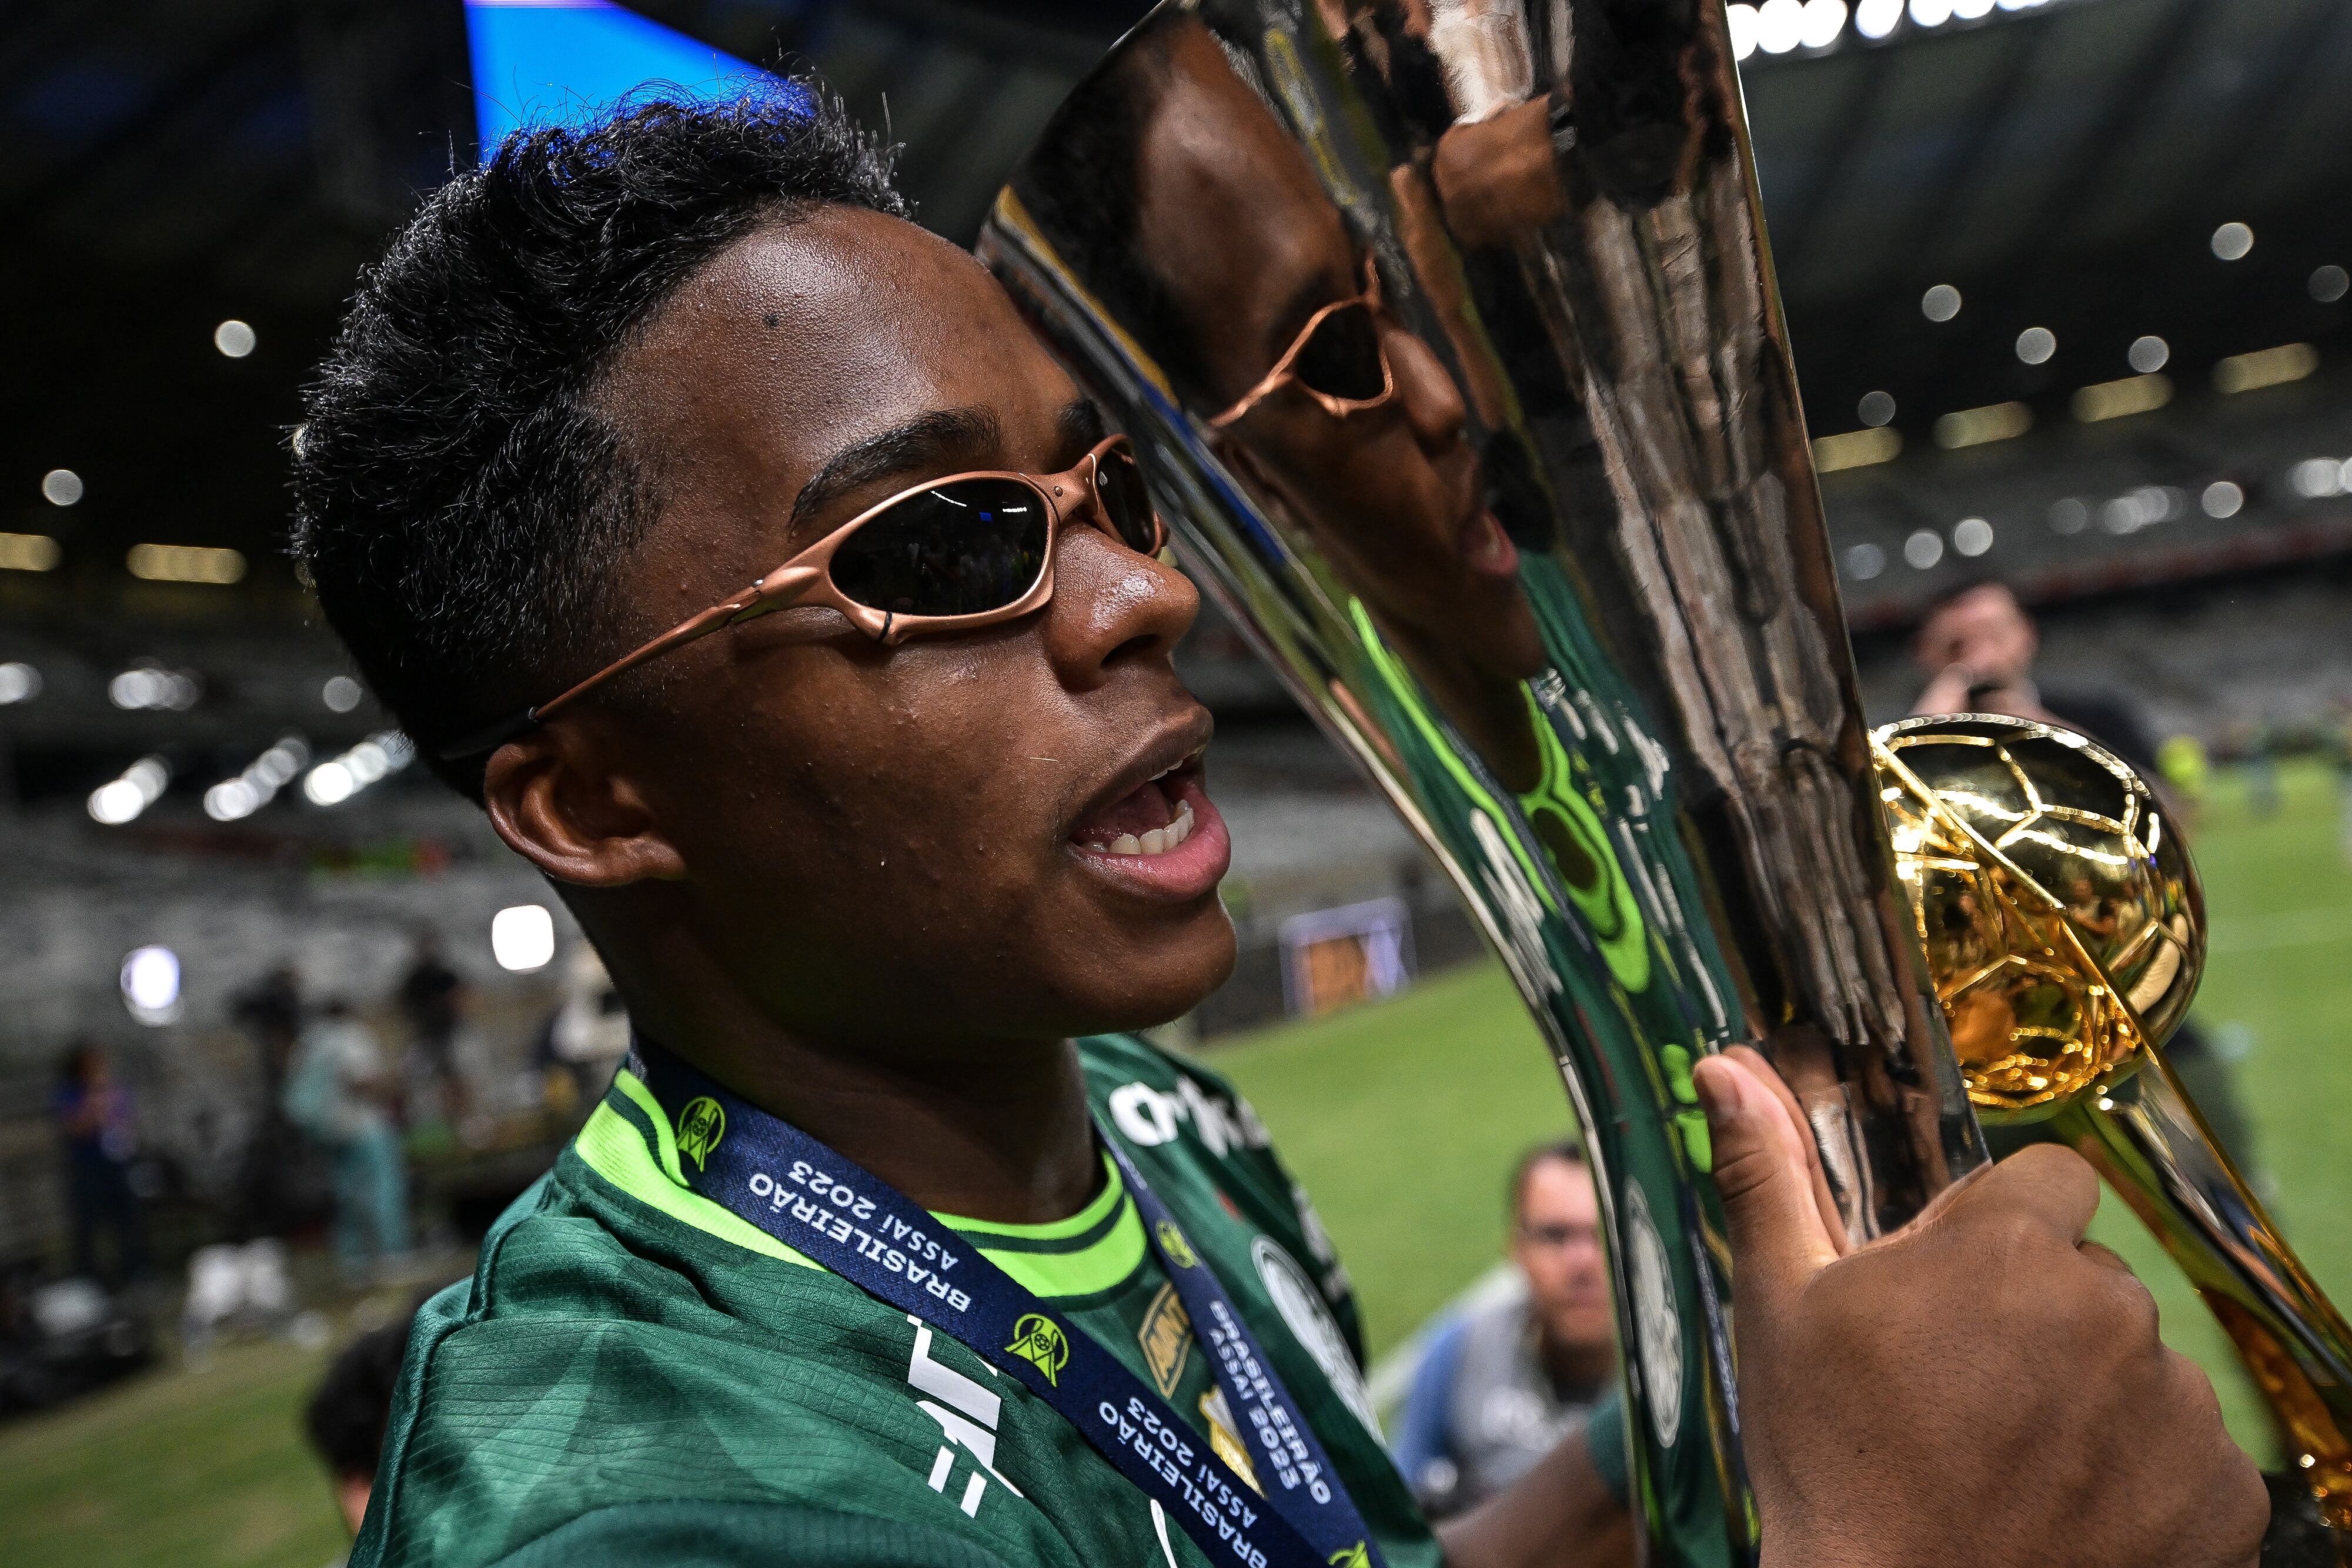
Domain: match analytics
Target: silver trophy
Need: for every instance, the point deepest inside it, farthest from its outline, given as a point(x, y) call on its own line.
point(1450, 335)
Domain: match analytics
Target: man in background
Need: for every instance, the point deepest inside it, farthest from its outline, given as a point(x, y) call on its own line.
point(348, 1411)
point(96, 1123)
point(340, 1093)
point(432, 1000)
point(1504, 1381)
point(1977, 645)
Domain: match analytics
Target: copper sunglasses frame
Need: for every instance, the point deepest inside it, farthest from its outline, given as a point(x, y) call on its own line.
point(1285, 373)
point(807, 580)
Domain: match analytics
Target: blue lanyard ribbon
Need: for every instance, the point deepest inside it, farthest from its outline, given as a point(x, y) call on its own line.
point(771, 1174)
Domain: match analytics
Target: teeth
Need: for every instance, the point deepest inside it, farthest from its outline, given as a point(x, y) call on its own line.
point(1159, 840)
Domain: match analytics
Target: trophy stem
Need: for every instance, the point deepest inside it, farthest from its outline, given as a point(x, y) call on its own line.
point(2146, 1139)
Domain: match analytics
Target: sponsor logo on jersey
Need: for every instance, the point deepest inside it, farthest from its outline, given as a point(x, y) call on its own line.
point(1172, 1242)
point(1166, 1337)
point(967, 1413)
point(700, 1127)
point(1037, 1340)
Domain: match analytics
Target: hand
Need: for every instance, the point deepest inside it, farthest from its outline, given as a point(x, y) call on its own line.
point(1947, 692)
point(1983, 1387)
point(1495, 177)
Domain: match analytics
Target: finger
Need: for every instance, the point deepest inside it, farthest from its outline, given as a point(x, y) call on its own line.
point(2051, 1186)
point(1777, 1241)
point(1824, 1199)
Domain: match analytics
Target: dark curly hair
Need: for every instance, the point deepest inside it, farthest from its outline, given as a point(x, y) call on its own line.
point(460, 499)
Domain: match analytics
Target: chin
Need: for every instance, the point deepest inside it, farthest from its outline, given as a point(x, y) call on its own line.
point(1174, 971)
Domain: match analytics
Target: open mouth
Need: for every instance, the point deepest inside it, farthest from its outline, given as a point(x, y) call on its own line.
point(1162, 838)
point(1486, 548)
point(1151, 819)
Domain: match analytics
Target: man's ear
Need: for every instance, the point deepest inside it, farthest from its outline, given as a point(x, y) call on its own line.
point(556, 802)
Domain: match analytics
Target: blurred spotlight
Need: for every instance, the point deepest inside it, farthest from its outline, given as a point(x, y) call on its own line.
point(18, 684)
point(2233, 241)
point(1865, 561)
point(145, 686)
point(2069, 517)
point(234, 798)
point(29, 553)
point(340, 693)
point(234, 339)
point(2149, 355)
point(2315, 479)
point(1824, 20)
point(1976, 426)
point(1779, 24)
point(150, 985)
point(1969, 10)
point(1931, 13)
point(522, 937)
point(2149, 504)
point(2036, 344)
point(1742, 21)
point(1876, 18)
point(1923, 549)
point(1875, 408)
point(186, 563)
point(61, 486)
point(338, 778)
point(2330, 284)
point(1856, 449)
point(1940, 303)
point(140, 786)
point(2115, 400)
point(2224, 499)
point(2265, 368)
point(1972, 536)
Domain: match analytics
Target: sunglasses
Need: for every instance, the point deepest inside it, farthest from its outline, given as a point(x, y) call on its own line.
point(947, 556)
point(1337, 359)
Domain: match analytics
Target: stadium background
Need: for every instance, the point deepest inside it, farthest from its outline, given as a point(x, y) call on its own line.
point(2066, 284)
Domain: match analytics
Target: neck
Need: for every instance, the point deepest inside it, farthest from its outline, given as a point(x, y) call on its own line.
point(1575, 1365)
point(983, 1130)
point(1489, 710)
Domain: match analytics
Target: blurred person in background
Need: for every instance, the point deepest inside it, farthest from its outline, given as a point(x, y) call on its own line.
point(432, 1000)
point(582, 1041)
point(1977, 645)
point(1504, 1382)
point(97, 1124)
point(340, 1095)
point(346, 1417)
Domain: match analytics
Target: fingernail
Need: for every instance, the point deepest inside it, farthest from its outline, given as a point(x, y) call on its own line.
point(1720, 1093)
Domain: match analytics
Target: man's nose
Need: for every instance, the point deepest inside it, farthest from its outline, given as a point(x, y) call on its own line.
point(1431, 403)
point(1111, 607)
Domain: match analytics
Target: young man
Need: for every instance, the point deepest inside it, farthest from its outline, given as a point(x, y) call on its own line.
point(877, 887)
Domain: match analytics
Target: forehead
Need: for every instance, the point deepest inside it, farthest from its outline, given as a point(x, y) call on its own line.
point(1978, 610)
point(1554, 1184)
point(814, 333)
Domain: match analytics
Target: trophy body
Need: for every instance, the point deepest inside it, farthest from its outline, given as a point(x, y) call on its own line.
point(1451, 335)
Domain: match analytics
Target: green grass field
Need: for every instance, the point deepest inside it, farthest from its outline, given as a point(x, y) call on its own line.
point(1399, 1117)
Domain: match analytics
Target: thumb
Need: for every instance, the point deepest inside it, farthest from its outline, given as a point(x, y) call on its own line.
point(1766, 1184)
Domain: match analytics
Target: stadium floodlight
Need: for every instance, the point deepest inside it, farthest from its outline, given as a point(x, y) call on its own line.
point(1865, 561)
point(2224, 499)
point(1876, 18)
point(2233, 241)
point(1876, 409)
point(338, 778)
point(1823, 24)
point(2035, 345)
point(231, 799)
point(340, 693)
point(2330, 284)
point(1972, 536)
point(19, 683)
point(2070, 515)
point(2149, 354)
point(29, 552)
point(121, 800)
point(1971, 10)
point(234, 339)
point(522, 937)
point(1779, 25)
point(62, 487)
point(1931, 13)
point(1923, 549)
point(1940, 303)
point(1741, 19)
point(2317, 478)
point(150, 985)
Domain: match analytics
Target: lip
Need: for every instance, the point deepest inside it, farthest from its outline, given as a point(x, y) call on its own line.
point(1193, 867)
point(1476, 517)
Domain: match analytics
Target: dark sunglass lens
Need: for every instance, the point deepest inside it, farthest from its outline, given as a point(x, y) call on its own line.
point(961, 549)
point(1342, 357)
point(1119, 479)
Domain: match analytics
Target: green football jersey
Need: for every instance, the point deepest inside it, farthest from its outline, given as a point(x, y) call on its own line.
point(636, 1374)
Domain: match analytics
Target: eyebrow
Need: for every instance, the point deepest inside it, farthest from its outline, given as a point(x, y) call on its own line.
point(941, 441)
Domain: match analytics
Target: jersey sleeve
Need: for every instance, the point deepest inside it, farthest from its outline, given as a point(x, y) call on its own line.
point(742, 1535)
